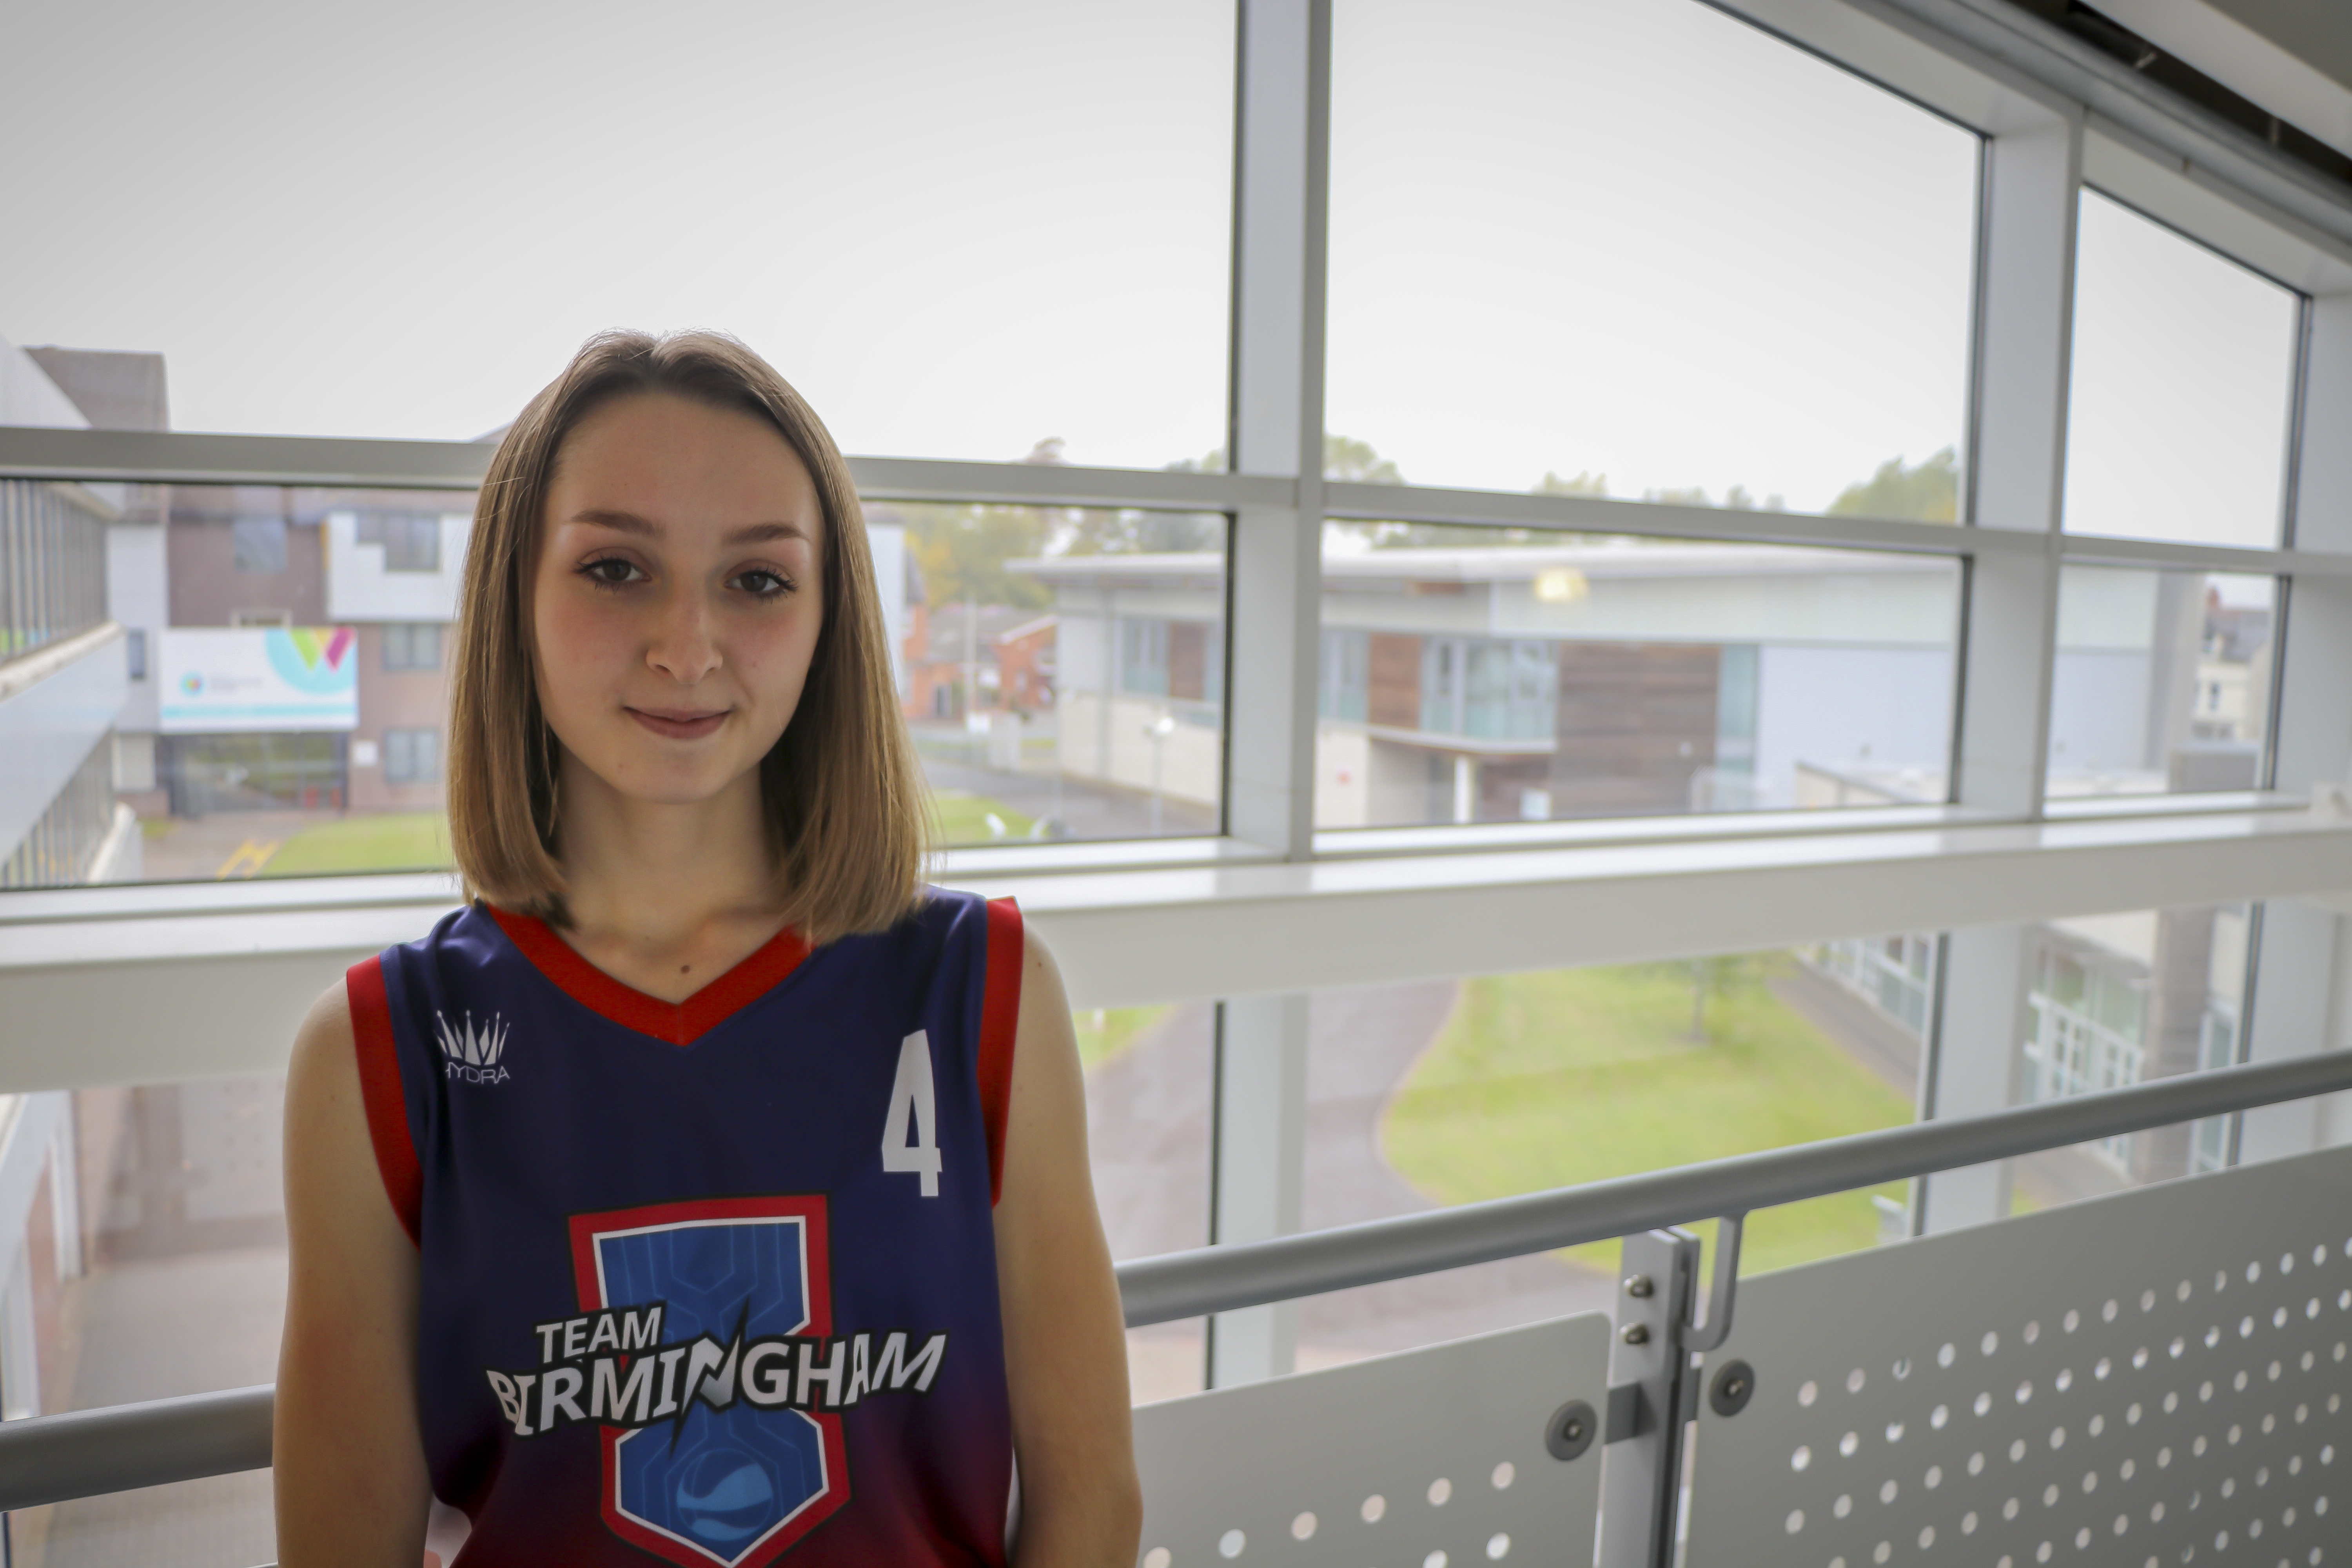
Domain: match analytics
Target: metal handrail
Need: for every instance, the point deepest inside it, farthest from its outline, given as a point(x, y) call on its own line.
point(52, 1458)
point(1249, 1274)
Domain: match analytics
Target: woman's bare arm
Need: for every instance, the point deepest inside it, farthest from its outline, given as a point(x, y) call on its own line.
point(1064, 1342)
point(351, 1486)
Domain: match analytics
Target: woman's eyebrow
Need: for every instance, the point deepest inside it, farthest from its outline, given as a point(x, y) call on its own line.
point(759, 533)
point(630, 523)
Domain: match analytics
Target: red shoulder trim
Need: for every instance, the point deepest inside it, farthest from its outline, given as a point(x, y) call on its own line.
point(678, 1022)
point(1000, 1021)
point(386, 1103)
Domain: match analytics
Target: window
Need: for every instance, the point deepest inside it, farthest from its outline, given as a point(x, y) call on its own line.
point(260, 543)
point(1080, 156)
point(135, 652)
point(2183, 371)
point(1768, 308)
point(1093, 646)
point(1345, 692)
point(1441, 1092)
point(412, 756)
point(2119, 999)
point(1640, 677)
point(411, 541)
point(2162, 683)
point(52, 563)
point(412, 645)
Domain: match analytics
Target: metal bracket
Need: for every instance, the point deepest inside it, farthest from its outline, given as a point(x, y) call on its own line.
point(1710, 1335)
point(1640, 1477)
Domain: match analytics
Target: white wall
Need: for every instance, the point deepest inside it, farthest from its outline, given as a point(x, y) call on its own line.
point(1824, 705)
point(887, 541)
point(137, 596)
point(2099, 711)
point(359, 589)
point(27, 395)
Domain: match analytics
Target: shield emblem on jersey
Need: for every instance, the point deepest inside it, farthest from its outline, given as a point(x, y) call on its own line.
point(736, 1487)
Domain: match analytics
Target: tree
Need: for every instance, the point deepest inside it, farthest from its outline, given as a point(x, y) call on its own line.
point(962, 550)
point(1928, 492)
point(1721, 977)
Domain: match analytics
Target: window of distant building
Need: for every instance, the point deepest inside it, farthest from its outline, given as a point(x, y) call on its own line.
point(260, 544)
point(411, 541)
point(1143, 657)
point(136, 653)
point(1487, 689)
point(412, 645)
point(1346, 675)
point(412, 756)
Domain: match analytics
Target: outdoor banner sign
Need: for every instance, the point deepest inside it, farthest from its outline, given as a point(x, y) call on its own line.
point(225, 678)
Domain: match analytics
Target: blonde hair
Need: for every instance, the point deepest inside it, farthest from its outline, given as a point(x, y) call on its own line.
point(846, 815)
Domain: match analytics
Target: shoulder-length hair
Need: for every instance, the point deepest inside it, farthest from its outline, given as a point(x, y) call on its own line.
point(846, 811)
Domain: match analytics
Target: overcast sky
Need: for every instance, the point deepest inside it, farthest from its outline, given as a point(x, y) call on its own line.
point(1629, 237)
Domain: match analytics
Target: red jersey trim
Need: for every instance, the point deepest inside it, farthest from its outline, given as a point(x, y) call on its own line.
point(381, 1095)
point(678, 1022)
point(1000, 1021)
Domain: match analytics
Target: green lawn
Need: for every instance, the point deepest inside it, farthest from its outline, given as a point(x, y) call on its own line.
point(394, 841)
point(1542, 1081)
point(1106, 1031)
point(962, 818)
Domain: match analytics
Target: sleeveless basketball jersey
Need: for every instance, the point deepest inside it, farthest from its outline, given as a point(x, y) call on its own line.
point(712, 1282)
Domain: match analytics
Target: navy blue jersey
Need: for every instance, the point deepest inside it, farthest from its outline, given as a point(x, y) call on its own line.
point(711, 1282)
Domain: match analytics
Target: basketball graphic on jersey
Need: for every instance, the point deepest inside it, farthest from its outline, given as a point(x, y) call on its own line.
point(735, 1486)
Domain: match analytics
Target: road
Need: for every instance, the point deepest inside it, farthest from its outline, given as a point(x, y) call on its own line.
point(1148, 1129)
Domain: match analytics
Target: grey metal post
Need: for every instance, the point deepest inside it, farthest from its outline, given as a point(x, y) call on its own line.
point(1260, 1171)
point(2024, 329)
point(1284, 113)
point(1641, 1469)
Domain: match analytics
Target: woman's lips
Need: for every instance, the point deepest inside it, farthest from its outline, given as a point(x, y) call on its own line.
point(677, 724)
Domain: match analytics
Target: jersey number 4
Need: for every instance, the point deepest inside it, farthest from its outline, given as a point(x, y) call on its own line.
point(910, 1130)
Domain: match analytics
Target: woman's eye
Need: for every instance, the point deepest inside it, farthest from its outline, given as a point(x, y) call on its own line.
point(762, 582)
point(611, 572)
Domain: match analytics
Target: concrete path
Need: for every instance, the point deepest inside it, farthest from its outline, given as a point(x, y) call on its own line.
point(1148, 1127)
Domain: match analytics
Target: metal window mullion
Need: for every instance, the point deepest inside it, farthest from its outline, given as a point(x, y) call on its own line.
point(1275, 590)
point(2295, 943)
point(2023, 328)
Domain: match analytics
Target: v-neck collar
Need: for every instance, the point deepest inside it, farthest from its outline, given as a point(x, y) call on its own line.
point(678, 1022)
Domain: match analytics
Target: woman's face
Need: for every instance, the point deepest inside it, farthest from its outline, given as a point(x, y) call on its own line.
point(677, 599)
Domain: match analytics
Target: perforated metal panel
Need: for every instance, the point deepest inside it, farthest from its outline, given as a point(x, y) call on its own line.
point(2153, 1378)
point(1435, 1456)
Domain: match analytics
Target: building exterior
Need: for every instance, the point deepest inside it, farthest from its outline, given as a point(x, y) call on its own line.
point(1627, 678)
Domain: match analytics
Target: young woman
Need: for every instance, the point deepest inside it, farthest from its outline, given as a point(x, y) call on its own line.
point(707, 1190)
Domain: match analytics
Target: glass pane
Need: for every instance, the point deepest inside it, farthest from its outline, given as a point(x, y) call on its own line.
point(2182, 380)
point(951, 226)
point(1700, 266)
point(1149, 1076)
point(1444, 1092)
point(1475, 675)
point(1063, 672)
point(2119, 999)
point(223, 1521)
point(155, 1266)
point(2163, 681)
point(1065, 669)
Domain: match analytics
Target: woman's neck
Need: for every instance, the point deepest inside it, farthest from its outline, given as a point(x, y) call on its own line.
point(666, 898)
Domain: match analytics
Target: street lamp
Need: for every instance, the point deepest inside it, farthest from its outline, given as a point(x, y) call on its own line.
point(1159, 729)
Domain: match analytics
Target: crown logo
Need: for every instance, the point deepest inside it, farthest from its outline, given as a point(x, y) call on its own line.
point(473, 1049)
